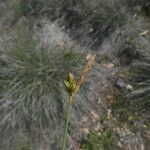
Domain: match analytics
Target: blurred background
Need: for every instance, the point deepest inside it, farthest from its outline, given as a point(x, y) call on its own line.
point(41, 41)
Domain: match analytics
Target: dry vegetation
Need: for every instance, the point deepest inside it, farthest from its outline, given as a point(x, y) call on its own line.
point(114, 100)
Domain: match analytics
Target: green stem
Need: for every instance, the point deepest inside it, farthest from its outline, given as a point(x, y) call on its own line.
point(67, 123)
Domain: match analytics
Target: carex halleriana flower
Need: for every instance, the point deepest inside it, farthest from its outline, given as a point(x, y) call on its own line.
point(72, 86)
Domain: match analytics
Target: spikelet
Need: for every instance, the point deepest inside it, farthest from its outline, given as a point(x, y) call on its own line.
point(90, 58)
point(73, 86)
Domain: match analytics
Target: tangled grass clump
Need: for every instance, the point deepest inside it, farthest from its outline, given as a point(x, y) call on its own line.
point(33, 7)
point(141, 80)
point(94, 21)
point(31, 86)
point(133, 106)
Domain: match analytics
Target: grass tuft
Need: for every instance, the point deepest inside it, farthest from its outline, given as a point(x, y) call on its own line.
point(31, 85)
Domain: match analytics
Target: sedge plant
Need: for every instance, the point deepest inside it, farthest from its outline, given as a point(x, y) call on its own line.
point(72, 86)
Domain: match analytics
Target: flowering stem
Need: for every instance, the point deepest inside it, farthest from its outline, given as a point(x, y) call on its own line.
point(67, 122)
point(72, 88)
